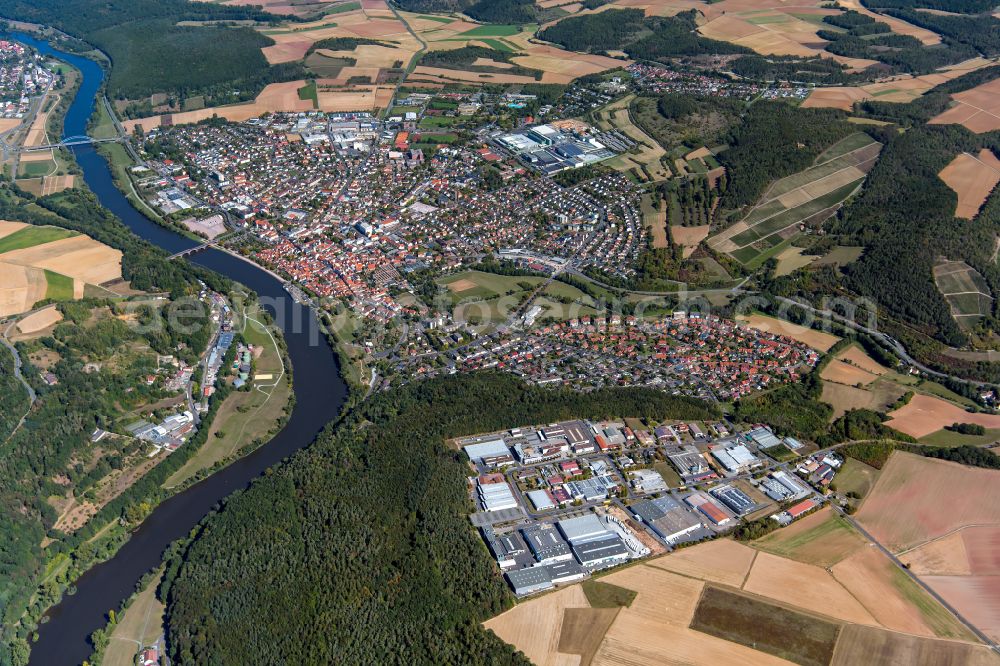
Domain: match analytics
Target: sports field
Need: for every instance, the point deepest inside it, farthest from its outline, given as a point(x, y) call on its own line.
point(808, 196)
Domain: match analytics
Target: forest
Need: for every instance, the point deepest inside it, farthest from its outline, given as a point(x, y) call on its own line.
point(981, 33)
point(790, 68)
point(464, 57)
point(151, 53)
point(629, 30)
point(517, 12)
point(362, 551)
point(956, 6)
point(775, 140)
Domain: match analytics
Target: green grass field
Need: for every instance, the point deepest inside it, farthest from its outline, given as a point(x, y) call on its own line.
point(35, 169)
point(952, 439)
point(499, 45)
point(435, 122)
point(669, 474)
point(492, 31)
point(857, 477)
point(245, 415)
point(142, 622)
point(823, 544)
point(846, 145)
point(32, 236)
point(340, 9)
point(60, 287)
point(309, 92)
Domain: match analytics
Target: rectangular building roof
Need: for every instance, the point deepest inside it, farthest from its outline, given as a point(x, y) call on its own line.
point(583, 529)
point(598, 551)
point(487, 449)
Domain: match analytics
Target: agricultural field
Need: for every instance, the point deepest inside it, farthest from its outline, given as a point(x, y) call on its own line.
point(654, 216)
point(948, 538)
point(855, 476)
point(822, 538)
point(852, 367)
point(972, 177)
point(866, 645)
point(645, 161)
point(710, 603)
point(809, 196)
point(38, 262)
point(746, 620)
point(977, 109)
point(877, 396)
point(818, 340)
point(915, 500)
point(901, 88)
point(965, 290)
point(926, 414)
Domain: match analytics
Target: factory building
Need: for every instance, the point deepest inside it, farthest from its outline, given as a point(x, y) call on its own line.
point(669, 519)
point(546, 544)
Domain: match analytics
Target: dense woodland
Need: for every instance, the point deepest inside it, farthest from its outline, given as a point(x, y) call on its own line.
point(790, 68)
point(464, 57)
point(516, 12)
point(151, 53)
point(362, 551)
point(775, 140)
point(956, 6)
point(629, 30)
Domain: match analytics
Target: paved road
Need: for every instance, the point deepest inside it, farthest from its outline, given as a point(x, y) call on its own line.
point(20, 377)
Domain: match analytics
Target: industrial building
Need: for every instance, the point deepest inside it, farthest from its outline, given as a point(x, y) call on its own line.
point(541, 500)
point(530, 580)
point(506, 548)
point(689, 463)
point(781, 486)
point(735, 499)
point(494, 493)
point(710, 508)
point(648, 481)
point(603, 553)
point(489, 449)
point(548, 149)
point(669, 519)
point(546, 544)
point(737, 458)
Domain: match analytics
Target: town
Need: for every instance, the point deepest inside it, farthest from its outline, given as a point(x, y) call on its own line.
point(562, 501)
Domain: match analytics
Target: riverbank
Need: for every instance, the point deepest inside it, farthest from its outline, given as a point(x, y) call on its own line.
point(64, 637)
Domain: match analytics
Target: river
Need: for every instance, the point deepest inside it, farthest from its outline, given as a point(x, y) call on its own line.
point(319, 389)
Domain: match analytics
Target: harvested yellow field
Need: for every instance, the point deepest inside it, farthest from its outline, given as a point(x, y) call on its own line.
point(804, 586)
point(48, 185)
point(857, 357)
point(20, 288)
point(945, 556)
point(274, 97)
point(821, 538)
point(865, 645)
point(7, 124)
point(79, 257)
point(842, 372)
point(978, 109)
point(534, 626)
point(972, 177)
point(792, 259)
point(874, 580)
point(40, 320)
point(7, 228)
point(688, 237)
point(719, 561)
point(474, 77)
point(818, 340)
point(925, 414)
point(654, 629)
